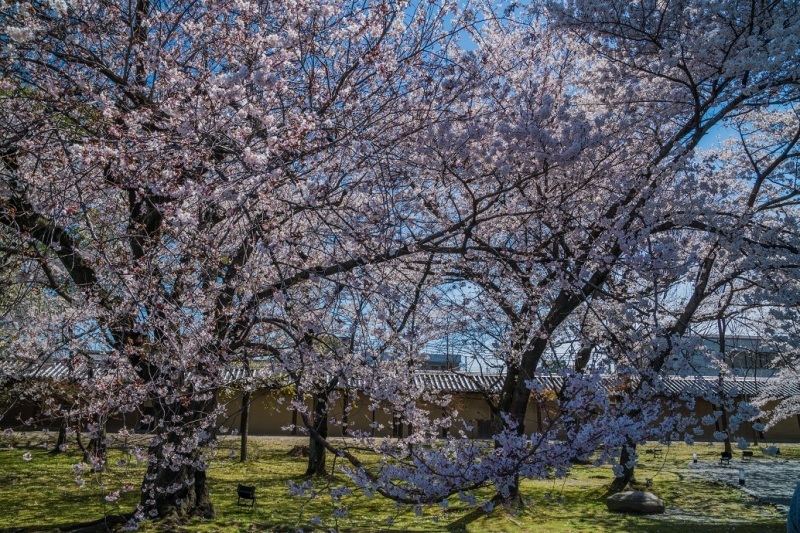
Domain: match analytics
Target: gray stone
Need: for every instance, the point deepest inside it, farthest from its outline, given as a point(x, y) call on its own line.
point(635, 501)
point(299, 451)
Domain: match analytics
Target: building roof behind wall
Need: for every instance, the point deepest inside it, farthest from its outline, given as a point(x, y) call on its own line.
point(469, 382)
point(451, 382)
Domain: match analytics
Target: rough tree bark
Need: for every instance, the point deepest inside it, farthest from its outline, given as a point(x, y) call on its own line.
point(175, 486)
point(244, 426)
point(61, 440)
point(316, 451)
point(628, 468)
point(192, 499)
point(722, 330)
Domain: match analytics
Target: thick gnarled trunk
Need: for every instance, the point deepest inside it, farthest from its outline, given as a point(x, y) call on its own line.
point(176, 494)
point(175, 486)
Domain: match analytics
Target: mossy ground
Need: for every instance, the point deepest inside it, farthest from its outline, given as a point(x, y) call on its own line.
point(41, 495)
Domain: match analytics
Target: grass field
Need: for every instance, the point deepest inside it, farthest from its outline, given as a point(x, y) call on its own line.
point(41, 494)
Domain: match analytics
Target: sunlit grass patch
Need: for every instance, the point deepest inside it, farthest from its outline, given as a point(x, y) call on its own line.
point(42, 494)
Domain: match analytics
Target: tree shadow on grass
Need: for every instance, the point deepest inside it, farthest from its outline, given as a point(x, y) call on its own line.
point(601, 523)
point(108, 523)
point(634, 523)
point(462, 523)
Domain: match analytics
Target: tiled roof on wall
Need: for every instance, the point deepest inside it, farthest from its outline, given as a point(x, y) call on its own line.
point(468, 382)
point(447, 381)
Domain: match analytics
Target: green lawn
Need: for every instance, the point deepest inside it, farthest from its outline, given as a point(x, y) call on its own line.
point(41, 494)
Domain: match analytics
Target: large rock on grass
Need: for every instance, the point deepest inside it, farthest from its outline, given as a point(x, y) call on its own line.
point(299, 451)
point(635, 501)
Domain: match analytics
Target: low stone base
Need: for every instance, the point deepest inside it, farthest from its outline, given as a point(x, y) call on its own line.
point(635, 501)
point(298, 451)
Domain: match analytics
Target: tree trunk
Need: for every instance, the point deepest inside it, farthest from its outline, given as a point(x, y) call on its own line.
point(244, 426)
point(628, 470)
point(520, 394)
point(175, 485)
point(191, 499)
point(516, 394)
point(345, 411)
point(97, 450)
point(761, 433)
point(724, 420)
point(721, 328)
point(61, 440)
point(316, 451)
point(539, 415)
point(514, 401)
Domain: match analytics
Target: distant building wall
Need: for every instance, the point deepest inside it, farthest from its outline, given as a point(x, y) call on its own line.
point(270, 417)
point(271, 413)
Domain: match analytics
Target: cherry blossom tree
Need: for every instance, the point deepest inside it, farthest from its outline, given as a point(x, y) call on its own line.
point(653, 67)
point(204, 184)
point(725, 255)
point(625, 202)
point(180, 168)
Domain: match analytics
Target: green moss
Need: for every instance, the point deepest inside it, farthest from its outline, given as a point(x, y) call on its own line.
point(42, 494)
